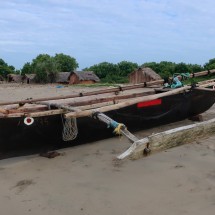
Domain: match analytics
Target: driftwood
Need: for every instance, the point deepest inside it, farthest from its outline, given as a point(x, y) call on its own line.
point(124, 104)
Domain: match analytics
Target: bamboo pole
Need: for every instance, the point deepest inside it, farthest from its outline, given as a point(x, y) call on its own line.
point(125, 104)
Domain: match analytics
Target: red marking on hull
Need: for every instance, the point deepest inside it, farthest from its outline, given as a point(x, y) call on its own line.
point(149, 103)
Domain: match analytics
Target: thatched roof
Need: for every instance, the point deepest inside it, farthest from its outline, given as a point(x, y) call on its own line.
point(63, 77)
point(30, 76)
point(148, 72)
point(14, 78)
point(86, 76)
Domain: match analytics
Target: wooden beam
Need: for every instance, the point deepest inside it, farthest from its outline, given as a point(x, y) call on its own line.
point(83, 94)
point(125, 104)
point(168, 139)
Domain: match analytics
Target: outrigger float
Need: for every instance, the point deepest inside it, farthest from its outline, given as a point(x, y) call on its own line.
point(83, 117)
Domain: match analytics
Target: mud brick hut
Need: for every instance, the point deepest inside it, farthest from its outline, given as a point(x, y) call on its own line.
point(83, 77)
point(29, 78)
point(142, 75)
point(14, 78)
point(63, 77)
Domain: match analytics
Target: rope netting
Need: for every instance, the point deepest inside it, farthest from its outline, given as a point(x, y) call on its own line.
point(70, 129)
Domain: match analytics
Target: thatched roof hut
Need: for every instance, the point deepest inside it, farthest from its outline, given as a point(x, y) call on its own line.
point(1, 78)
point(83, 77)
point(142, 75)
point(14, 78)
point(29, 78)
point(62, 77)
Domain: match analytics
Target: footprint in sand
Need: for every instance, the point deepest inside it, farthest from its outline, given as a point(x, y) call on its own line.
point(23, 184)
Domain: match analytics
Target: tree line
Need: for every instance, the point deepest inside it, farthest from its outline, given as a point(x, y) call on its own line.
point(47, 67)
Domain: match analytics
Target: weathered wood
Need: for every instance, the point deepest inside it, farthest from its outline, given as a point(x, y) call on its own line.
point(124, 104)
point(33, 108)
point(45, 105)
point(3, 111)
point(203, 73)
point(206, 82)
point(82, 94)
point(97, 99)
point(168, 139)
point(34, 114)
point(203, 88)
point(207, 85)
point(64, 107)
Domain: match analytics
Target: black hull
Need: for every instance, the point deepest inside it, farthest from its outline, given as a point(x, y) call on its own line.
point(173, 108)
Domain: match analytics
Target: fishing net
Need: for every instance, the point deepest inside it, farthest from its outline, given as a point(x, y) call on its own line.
point(70, 129)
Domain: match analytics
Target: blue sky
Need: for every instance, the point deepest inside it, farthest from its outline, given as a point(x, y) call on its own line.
point(94, 31)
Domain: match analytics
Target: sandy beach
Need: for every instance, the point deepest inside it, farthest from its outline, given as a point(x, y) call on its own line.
point(87, 180)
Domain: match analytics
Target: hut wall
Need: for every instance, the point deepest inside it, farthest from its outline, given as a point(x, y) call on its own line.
point(73, 79)
point(28, 81)
point(87, 82)
point(136, 77)
point(139, 77)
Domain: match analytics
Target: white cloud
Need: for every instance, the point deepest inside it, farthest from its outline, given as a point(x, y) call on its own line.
point(112, 30)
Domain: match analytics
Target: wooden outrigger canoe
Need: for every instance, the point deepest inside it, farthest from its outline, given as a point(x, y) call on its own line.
point(137, 106)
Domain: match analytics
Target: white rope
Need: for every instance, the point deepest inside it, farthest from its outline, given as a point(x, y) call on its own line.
point(70, 129)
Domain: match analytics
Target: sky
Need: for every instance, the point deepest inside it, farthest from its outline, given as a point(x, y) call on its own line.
point(95, 31)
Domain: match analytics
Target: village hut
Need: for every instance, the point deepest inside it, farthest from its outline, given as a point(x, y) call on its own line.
point(29, 78)
point(1, 78)
point(83, 77)
point(142, 75)
point(62, 77)
point(14, 78)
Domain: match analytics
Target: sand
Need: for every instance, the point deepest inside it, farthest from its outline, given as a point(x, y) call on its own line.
point(87, 180)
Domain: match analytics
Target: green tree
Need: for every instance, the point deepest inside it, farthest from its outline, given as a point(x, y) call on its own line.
point(126, 67)
point(103, 69)
point(164, 68)
point(210, 64)
point(195, 67)
point(65, 63)
point(153, 65)
point(182, 68)
point(5, 69)
point(27, 69)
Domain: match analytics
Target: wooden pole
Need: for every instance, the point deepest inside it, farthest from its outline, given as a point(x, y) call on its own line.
point(125, 104)
point(82, 94)
point(115, 89)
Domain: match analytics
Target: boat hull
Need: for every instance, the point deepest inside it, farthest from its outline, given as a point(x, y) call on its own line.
point(14, 132)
